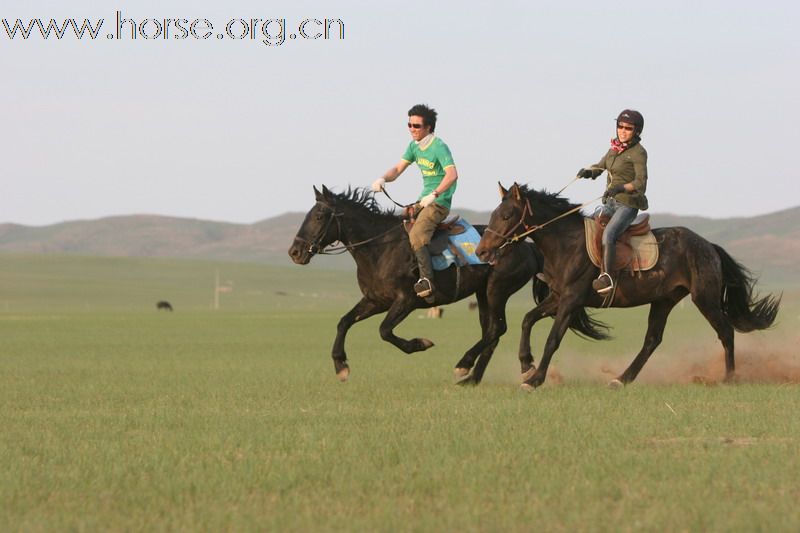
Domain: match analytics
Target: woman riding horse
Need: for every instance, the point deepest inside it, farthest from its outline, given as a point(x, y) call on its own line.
point(721, 288)
point(626, 163)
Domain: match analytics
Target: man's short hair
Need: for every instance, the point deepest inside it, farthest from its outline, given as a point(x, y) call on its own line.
point(428, 115)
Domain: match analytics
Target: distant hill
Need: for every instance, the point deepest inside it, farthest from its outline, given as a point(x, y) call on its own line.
point(155, 236)
point(767, 243)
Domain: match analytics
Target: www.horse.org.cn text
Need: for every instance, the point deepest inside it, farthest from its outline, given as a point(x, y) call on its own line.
point(268, 31)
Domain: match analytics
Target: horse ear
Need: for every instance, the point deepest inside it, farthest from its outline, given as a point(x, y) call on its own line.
point(317, 194)
point(326, 192)
point(503, 190)
point(515, 190)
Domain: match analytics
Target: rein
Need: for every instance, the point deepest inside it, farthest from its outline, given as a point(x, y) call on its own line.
point(529, 211)
point(314, 247)
point(511, 237)
point(395, 202)
point(338, 250)
point(576, 178)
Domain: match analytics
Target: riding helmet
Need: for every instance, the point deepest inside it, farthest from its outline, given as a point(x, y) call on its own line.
point(632, 117)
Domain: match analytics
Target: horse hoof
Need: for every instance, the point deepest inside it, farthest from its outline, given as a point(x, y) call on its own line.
point(343, 374)
point(526, 388)
point(426, 343)
point(526, 375)
point(460, 373)
point(615, 384)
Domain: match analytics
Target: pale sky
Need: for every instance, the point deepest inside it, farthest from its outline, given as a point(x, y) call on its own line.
point(239, 131)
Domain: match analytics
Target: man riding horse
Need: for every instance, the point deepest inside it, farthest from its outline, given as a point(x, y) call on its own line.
point(439, 176)
point(626, 163)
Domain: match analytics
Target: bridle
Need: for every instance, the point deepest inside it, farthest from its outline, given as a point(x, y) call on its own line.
point(314, 247)
point(511, 236)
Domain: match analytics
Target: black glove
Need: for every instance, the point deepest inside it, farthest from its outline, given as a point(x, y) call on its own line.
point(589, 173)
point(613, 191)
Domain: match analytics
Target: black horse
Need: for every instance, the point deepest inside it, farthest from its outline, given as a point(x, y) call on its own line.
point(386, 274)
point(688, 264)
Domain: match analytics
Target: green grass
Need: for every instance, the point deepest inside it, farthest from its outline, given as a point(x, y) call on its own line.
point(116, 417)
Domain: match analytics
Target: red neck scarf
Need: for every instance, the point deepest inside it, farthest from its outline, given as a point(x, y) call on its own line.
point(618, 146)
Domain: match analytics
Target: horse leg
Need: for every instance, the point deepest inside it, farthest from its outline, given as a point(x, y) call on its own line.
point(399, 310)
point(363, 309)
point(544, 309)
point(708, 302)
point(497, 294)
point(656, 321)
point(560, 325)
point(495, 329)
point(466, 363)
point(476, 375)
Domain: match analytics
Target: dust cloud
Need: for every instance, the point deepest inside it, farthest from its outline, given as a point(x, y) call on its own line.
point(758, 360)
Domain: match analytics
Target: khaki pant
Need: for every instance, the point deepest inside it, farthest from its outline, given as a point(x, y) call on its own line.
point(427, 220)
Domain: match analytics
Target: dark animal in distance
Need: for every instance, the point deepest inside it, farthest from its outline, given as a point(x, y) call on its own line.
point(386, 274)
point(164, 305)
point(721, 288)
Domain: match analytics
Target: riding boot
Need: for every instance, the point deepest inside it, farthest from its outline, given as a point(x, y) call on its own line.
point(604, 284)
point(424, 286)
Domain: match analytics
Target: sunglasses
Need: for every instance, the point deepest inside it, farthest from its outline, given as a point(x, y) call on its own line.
point(623, 127)
point(415, 126)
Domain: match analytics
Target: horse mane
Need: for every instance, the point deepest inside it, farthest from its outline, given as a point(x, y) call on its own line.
point(363, 198)
point(549, 200)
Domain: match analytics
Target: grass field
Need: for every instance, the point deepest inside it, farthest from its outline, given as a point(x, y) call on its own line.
point(118, 417)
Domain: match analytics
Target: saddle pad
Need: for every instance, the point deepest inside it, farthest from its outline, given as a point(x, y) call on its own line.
point(644, 248)
point(461, 249)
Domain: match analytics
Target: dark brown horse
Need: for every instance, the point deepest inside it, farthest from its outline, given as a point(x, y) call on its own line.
point(688, 264)
point(386, 275)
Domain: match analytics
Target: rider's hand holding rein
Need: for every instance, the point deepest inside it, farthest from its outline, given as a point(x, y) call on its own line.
point(377, 185)
point(614, 190)
point(589, 173)
point(428, 199)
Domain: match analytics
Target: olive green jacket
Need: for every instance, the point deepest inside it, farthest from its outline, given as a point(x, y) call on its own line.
point(629, 166)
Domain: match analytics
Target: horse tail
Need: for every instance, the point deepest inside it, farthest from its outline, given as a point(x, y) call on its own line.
point(540, 290)
point(745, 311)
point(585, 326)
point(582, 324)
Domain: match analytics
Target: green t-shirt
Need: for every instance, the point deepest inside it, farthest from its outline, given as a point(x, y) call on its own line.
point(431, 162)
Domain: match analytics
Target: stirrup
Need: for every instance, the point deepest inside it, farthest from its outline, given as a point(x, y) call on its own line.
point(599, 285)
point(423, 287)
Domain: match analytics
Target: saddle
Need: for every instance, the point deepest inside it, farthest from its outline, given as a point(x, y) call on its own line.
point(450, 224)
point(440, 240)
point(637, 248)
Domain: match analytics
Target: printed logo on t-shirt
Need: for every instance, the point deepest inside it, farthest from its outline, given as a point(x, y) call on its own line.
point(425, 163)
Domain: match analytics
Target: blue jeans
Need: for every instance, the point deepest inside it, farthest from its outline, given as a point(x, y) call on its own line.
point(621, 217)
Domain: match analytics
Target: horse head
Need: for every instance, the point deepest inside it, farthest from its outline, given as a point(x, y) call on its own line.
point(505, 222)
point(320, 228)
